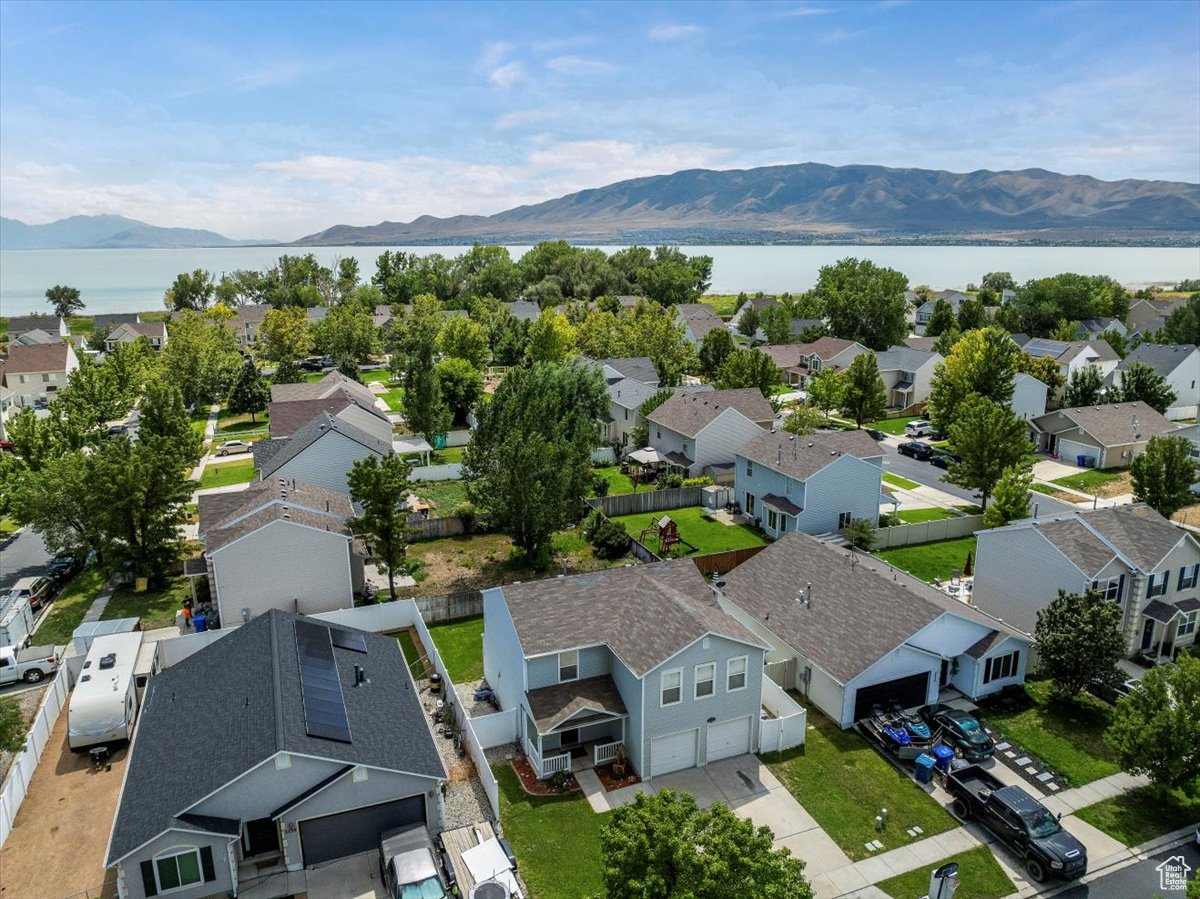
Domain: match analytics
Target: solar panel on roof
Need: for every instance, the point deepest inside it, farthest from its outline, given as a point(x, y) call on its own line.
point(352, 640)
point(320, 687)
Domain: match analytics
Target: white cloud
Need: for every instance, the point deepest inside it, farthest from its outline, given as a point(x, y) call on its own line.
point(493, 54)
point(803, 9)
point(580, 65)
point(674, 32)
point(840, 34)
point(507, 75)
point(521, 117)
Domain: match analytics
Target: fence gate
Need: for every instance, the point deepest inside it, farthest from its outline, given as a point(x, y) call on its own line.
point(783, 673)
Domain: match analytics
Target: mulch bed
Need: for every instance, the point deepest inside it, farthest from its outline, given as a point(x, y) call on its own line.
point(611, 783)
point(534, 787)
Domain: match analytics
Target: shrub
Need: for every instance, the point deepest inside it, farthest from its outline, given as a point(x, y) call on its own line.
point(703, 481)
point(467, 512)
point(611, 540)
point(889, 519)
point(591, 522)
point(600, 486)
point(667, 481)
point(861, 534)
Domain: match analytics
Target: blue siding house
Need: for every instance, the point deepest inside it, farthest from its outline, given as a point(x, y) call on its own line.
point(640, 657)
point(813, 483)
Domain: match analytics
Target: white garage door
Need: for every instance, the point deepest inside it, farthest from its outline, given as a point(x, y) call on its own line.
point(673, 753)
point(728, 738)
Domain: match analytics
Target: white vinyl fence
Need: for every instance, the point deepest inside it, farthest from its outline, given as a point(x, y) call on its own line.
point(16, 784)
point(451, 471)
point(787, 728)
point(927, 531)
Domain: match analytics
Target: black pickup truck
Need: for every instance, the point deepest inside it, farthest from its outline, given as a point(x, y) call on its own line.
point(1019, 821)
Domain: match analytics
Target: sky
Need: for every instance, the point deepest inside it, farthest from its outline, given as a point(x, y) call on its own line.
point(276, 120)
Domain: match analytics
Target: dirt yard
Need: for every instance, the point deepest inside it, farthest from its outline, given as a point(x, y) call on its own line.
point(1189, 515)
point(58, 841)
point(1117, 487)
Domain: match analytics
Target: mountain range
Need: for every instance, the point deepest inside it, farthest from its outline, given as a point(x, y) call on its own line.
point(100, 232)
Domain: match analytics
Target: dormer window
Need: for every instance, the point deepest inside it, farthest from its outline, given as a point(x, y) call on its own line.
point(568, 666)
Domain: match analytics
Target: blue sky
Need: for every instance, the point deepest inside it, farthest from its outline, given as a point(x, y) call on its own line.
point(279, 119)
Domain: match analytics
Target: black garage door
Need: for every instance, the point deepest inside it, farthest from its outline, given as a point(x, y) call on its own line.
point(908, 691)
point(348, 833)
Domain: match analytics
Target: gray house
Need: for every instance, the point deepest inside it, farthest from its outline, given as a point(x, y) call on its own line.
point(907, 375)
point(1029, 396)
point(54, 325)
point(924, 310)
point(265, 755)
point(695, 430)
point(1179, 366)
point(1131, 554)
point(280, 544)
point(849, 631)
point(814, 483)
point(1109, 435)
point(641, 657)
point(697, 320)
point(321, 453)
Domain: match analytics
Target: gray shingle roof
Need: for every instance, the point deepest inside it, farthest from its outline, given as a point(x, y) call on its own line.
point(1164, 358)
point(802, 457)
point(1113, 424)
point(861, 609)
point(217, 510)
point(827, 348)
point(524, 310)
point(630, 393)
point(19, 324)
point(904, 358)
point(689, 413)
point(288, 416)
point(691, 311)
point(921, 343)
point(645, 613)
point(317, 390)
point(322, 424)
point(1087, 551)
point(236, 703)
point(553, 705)
point(111, 320)
point(1143, 535)
point(639, 368)
point(219, 537)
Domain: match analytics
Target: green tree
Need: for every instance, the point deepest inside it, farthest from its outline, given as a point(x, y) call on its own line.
point(249, 392)
point(461, 338)
point(864, 397)
point(1045, 369)
point(991, 440)
point(240, 287)
point(1155, 730)
point(529, 462)
point(1118, 341)
point(652, 331)
point(461, 386)
point(487, 271)
point(380, 487)
point(998, 282)
point(596, 335)
point(93, 396)
point(202, 357)
point(982, 362)
point(1011, 498)
point(1077, 640)
point(716, 346)
point(825, 390)
point(776, 322)
point(861, 533)
point(284, 339)
point(1084, 387)
point(749, 322)
point(971, 315)
point(551, 338)
point(748, 368)
point(1163, 475)
point(662, 846)
point(191, 290)
point(425, 409)
point(673, 277)
point(348, 334)
point(64, 300)
point(803, 419)
point(1065, 331)
point(1141, 382)
point(1042, 305)
point(58, 501)
point(1183, 324)
point(864, 302)
point(942, 319)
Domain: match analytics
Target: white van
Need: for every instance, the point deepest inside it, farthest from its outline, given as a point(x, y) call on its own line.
point(104, 704)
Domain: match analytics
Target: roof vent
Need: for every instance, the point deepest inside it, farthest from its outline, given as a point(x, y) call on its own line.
point(108, 661)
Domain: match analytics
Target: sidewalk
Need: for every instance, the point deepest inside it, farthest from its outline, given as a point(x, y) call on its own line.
point(210, 430)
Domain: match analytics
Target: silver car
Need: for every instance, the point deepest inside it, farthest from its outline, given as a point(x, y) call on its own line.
point(233, 446)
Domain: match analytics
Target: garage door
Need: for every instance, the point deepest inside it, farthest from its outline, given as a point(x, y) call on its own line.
point(908, 691)
point(673, 753)
point(728, 738)
point(348, 833)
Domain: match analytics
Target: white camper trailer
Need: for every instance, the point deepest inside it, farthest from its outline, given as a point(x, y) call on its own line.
point(16, 621)
point(104, 703)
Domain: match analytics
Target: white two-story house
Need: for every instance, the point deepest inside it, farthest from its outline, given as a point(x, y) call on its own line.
point(127, 332)
point(1071, 356)
point(35, 374)
point(695, 430)
point(907, 375)
point(1178, 365)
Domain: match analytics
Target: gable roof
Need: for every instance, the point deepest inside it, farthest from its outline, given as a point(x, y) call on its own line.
point(1078, 543)
point(860, 609)
point(1113, 424)
point(524, 310)
point(319, 390)
point(827, 347)
point(19, 324)
point(141, 329)
point(221, 510)
point(904, 358)
point(112, 319)
point(802, 457)
point(322, 424)
point(220, 537)
point(694, 311)
point(1066, 351)
point(783, 355)
point(1163, 358)
point(630, 393)
point(690, 413)
point(287, 417)
point(639, 368)
point(43, 357)
point(237, 703)
point(37, 336)
point(921, 343)
point(644, 613)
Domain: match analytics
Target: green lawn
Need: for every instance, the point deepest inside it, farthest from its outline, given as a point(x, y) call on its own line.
point(894, 426)
point(1069, 737)
point(156, 608)
point(447, 456)
point(1089, 480)
point(199, 419)
point(229, 421)
point(914, 516)
point(697, 528)
point(843, 783)
point(380, 374)
point(896, 481)
point(224, 474)
point(404, 638)
point(979, 877)
point(67, 610)
point(929, 560)
point(556, 839)
point(617, 482)
point(1043, 488)
point(394, 399)
point(7, 526)
point(724, 304)
point(460, 644)
point(444, 495)
point(1141, 815)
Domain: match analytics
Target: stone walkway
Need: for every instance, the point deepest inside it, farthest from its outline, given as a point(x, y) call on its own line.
point(210, 430)
point(1070, 801)
point(100, 603)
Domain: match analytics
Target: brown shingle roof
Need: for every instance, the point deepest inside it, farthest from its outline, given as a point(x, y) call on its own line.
point(218, 510)
point(803, 456)
point(319, 390)
point(1114, 424)
point(645, 613)
point(1143, 535)
point(1087, 551)
point(288, 417)
point(784, 355)
point(553, 705)
point(826, 348)
point(689, 413)
point(43, 357)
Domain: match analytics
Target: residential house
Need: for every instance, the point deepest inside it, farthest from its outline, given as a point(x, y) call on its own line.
point(924, 310)
point(8, 403)
point(697, 320)
point(827, 353)
point(1148, 316)
point(1029, 396)
point(247, 321)
point(1071, 356)
point(786, 358)
point(321, 453)
point(154, 332)
point(625, 398)
point(269, 754)
point(851, 632)
point(524, 310)
point(638, 368)
point(23, 324)
point(814, 483)
point(907, 375)
point(1132, 555)
point(697, 430)
point(640, 657)
point(35, 374)
point(330, 384)
point(925, 344)
point(286, 418)
point(1179, 366)
point(36, 337)
point(759, 304)
point(106, 321)
point(281, 544)
point(1094, 327)
point(1107, 436)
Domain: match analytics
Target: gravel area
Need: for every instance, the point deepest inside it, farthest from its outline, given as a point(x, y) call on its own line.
point(466, 695)
point(465, 800)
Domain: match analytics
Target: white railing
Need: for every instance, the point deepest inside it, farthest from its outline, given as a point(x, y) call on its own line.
point(607, 752)
point(555, 764)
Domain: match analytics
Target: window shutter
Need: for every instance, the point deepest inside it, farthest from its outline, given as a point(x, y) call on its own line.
point(149, 886)
point(1121, 589)
point(987, 671)
point(1179, 586)
point(206, 863)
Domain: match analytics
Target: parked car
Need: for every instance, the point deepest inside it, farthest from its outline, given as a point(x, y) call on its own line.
point(944, 459)
point(36, 589)
point(233, 446)
point(918, 428)
point(916, 449)
point(29, 665)
point(63, 566)
point(408, 864)
point(1111, 690)
point(1019, 821)
point(875, 434)
point(311, 365)
point(118, 431)
point(960, 731)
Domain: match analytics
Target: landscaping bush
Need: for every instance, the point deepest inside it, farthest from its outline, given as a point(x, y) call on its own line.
point(889, 520)
point(600, 486)
point(667, 481)
point(860, 533)
point(467, 512)
point(610, 540)
point(591, 522)
point(704, 481)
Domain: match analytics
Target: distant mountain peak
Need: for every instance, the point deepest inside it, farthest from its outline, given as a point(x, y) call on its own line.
point(106, 231)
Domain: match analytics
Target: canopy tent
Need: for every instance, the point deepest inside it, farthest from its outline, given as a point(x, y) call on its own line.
point(408, 446)
point(647, 456)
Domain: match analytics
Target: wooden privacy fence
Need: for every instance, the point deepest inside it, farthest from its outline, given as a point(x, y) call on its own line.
point(450, 607)
point(726, 561)
point(927, 531)
point(435, 528)
point(648, 501)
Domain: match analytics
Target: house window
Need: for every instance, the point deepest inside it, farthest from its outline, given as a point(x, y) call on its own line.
point(735, 674)
point(1187, 624)
point(1001, 667)
point(749, 503)
point(1109, 589)
point(815, 364)
point(843, 519)
point(1158, 584)
point(706, 676)
point(783, 524)
point(180, 869)
point(45, 379)
point(658, 433)
point(1187, 576)
point(22, 379)
point(568, 665)
point(772, 519)
point(627, 415)
point(749, 469)
point(672, 687)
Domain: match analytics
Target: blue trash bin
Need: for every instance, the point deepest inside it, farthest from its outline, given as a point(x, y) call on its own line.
point(201, 623)
point(925, 763)
point(943, 755)
point(1081, 461)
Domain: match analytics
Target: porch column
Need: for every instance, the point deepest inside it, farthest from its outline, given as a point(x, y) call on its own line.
point(1162, 637)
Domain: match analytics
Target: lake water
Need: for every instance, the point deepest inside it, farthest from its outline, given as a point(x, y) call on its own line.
point(129, 280)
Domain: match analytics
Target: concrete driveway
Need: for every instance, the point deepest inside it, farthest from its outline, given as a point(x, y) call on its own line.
point(354, 877)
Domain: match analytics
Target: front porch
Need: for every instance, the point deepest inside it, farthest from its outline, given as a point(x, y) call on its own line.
point(1166, 628)
point(574, 725)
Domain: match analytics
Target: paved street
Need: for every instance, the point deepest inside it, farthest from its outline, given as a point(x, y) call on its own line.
point(23, 556)
point(1139, 881)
